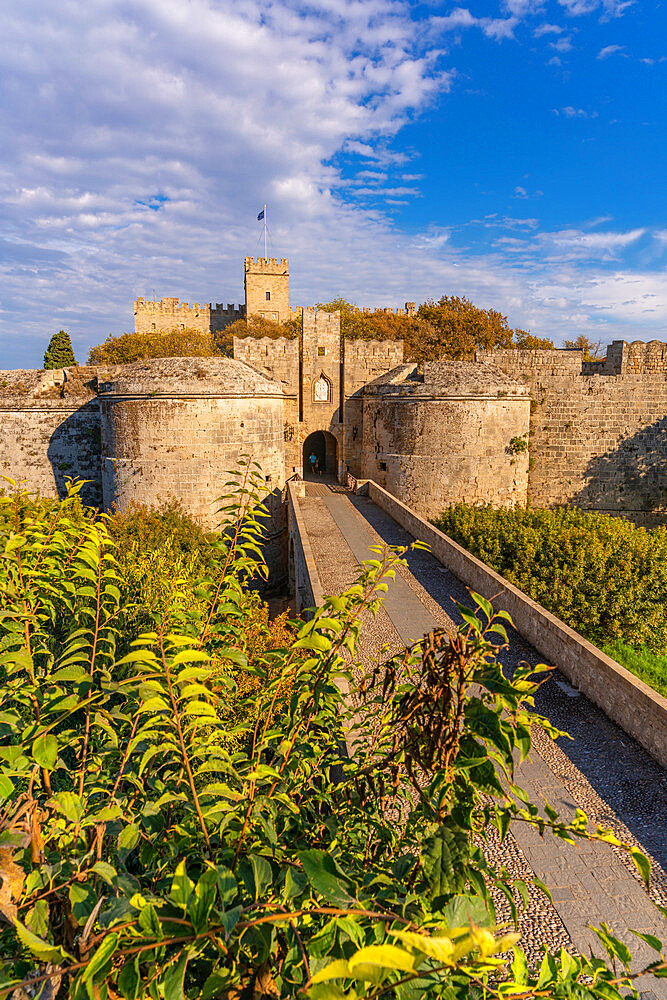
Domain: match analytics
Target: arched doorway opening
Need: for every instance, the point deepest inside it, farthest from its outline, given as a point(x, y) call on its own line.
point(324, 447)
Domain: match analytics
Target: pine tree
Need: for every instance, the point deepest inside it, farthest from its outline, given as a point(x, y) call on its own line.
point(59, 353)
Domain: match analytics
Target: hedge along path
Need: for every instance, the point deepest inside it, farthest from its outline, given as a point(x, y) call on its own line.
point(588, 884)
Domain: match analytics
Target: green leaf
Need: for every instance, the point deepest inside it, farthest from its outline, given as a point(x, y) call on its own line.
point(642, 864)
point(443, 859)
point(44, 951)
point(461, 911)
point(338, 969)
point(519, 966)
point(128, 837)
point(82, 900)
point(129, 980)
point(6, 787)
point(181, 885)
point(227, 886)
point(173, 980)
point(204, 898)
point(100, 958)
point(651, 941)
point(327, 879)
point(70, 805)
point(45, 751)
point(262, 874)
point(105, 871)
point(365, 963)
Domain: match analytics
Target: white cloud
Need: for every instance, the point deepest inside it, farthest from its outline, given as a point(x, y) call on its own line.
point(548, 29)
point(140, 141)
point(571, 112)
point(607, 8)
point(562, 44)
point(610, 50)
point(497, 28)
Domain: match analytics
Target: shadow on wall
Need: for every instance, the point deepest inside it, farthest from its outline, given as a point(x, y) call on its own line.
point(631, 478)
point(74, 451)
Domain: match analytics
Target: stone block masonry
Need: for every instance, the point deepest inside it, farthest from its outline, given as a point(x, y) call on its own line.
point(598, 438)
point(51, 430)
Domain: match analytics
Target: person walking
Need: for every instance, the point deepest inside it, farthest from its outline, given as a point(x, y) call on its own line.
point(313, 463)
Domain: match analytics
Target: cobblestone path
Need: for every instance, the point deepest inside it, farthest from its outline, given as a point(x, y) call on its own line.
point(601, 770)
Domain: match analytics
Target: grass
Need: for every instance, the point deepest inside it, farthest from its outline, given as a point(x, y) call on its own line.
point(650, 667)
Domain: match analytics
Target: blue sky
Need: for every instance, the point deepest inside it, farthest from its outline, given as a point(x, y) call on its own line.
point(511, 151)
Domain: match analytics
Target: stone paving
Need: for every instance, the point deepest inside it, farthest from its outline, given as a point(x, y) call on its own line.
point(590, 883)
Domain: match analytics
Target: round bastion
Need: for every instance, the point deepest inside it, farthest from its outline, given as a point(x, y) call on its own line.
point(175, 427)
point(456, 432)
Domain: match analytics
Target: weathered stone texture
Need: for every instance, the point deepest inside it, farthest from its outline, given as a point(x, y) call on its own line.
point(174, 427)
point(267, 288)
point(51, 430)
point(453, 435)
point(597, 440)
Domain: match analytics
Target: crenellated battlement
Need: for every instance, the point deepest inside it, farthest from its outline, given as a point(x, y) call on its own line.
point(409, 310)
point(263, 347)
point(266, 265)
point(166, 314)
point(168, 306)
point(361, 349)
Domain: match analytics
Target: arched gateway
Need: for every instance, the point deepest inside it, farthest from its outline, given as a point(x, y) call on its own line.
point(324, 446)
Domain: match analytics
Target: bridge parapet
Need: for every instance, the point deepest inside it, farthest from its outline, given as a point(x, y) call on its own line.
point(303, 576)
point(624, 698)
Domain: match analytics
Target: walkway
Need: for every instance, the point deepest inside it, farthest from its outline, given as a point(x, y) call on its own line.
point(602, 770)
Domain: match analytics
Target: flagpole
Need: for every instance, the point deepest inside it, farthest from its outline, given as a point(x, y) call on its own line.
point(265, 253)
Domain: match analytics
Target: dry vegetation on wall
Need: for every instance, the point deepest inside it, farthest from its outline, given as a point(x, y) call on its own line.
point(452, 327)
point(602, 575)
point(128, 347)
point(180, 818)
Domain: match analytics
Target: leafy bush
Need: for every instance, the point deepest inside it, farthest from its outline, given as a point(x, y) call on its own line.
point(601, 575)
point(154, 846)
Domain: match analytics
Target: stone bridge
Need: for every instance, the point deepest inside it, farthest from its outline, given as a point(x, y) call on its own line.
point(617, 778)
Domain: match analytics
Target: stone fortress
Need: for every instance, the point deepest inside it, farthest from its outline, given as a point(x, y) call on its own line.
point(510, 427)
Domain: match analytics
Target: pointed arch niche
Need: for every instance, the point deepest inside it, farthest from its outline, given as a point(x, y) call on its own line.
point(322, 389)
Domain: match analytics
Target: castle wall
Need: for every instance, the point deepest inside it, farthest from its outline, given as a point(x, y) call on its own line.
point(364, 360)
point(430, 453)
point(51, 431)
point(598, 438)
point(267, 277)
point(177, 426)
point(170, 314)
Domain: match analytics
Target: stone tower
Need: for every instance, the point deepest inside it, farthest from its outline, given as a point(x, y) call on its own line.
point(267, 288)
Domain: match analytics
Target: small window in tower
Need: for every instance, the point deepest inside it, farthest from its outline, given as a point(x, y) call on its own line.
point(268, 296)
point(152, 326)
point(383, 466)
point(321, 351)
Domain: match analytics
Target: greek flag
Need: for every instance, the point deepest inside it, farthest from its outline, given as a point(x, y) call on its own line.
point(260, 216)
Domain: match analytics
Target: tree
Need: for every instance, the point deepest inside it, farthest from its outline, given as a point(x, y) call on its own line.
point(524, 340)
point(59, 353)
point(452, 327)
point(594, 350)
point(256, 326)
point(129, 347)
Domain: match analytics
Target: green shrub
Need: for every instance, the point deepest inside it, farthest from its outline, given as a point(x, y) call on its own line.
point(155, 844)
point(601, 575)
point(648, 666)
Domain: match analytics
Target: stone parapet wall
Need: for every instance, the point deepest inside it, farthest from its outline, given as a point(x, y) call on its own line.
point(169, 314)
point(625, 699)
point(366, 360)
point(175, 427)
point(277, 357)
point(598, 435)
point(51, 430)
